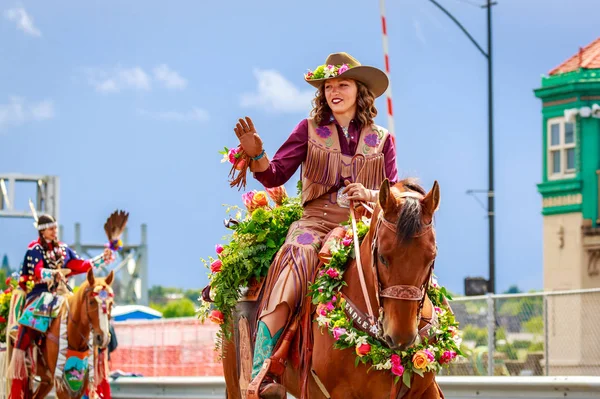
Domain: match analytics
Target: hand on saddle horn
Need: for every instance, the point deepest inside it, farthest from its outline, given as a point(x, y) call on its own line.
point(249, 139)
point(358, 192)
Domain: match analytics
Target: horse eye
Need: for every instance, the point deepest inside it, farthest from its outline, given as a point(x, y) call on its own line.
point(382, 260)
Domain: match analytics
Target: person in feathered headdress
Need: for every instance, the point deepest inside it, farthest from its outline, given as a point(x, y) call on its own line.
point(46, 262)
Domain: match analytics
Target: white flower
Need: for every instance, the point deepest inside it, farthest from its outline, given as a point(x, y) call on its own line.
point(351, 337)
point(384, 366)
point(323, 321)
point(457, 340)
point(361, 340)
point(225, 158)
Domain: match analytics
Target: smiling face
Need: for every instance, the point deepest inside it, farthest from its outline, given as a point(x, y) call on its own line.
point(341, 96)
point(50, 234)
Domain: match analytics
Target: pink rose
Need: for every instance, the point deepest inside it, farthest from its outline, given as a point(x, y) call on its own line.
point(309, 75)
point(247, 200)
point(232, 154)
point(333, 299)
point(332, 273)
point(447, 357)
point(397, 367)
point(430, 355)
point(363, 350)
point(338, 332)
point(322, 310)
point(347, 242)
point(343, 69)
point(218, 249)
point(215, 267)
point(329, 306)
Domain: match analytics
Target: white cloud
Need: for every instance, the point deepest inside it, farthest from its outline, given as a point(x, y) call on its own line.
point(23, 20)
point(419, 31)
point(18, 111)
point(196, 114)
point(276, 93)
point(118, 79)
point(171, 79)
point(43, 110)
point(135, 78)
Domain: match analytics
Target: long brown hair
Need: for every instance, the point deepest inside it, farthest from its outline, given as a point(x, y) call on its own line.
point(365, 105)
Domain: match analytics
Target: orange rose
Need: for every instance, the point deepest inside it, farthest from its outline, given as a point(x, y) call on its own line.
point(216, 316)
point(363, 350)
point(259, 200)
point(420, 360)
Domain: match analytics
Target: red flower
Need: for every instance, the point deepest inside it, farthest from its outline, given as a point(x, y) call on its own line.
point(215, 267)
point(7, 282)
point(363, 350)
point(2, 319)
point(216, 316)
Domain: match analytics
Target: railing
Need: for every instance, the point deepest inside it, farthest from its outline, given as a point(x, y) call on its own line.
point(453, 387)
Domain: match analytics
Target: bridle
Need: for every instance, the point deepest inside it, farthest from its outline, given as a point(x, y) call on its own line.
point(398, 292)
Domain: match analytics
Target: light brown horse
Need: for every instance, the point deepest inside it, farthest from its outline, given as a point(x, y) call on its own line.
point(397, 256)
point(88, 311)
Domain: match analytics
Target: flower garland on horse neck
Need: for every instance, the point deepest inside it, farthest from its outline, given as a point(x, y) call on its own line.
point(441, 348)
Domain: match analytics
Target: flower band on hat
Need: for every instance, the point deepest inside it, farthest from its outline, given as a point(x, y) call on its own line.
point(327, 71)
point(45, 226)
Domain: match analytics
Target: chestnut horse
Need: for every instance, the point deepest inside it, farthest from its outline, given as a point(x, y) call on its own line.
point(88, 312)
point(397, 255)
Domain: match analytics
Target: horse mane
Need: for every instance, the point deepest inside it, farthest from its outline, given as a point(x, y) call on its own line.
point(77, 298)
point(409, 221)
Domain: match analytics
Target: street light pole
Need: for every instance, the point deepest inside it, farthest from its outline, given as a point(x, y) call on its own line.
point(490, 192)
point(491, 215)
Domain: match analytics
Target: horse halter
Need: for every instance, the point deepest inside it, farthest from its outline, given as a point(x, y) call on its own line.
point(401, 291)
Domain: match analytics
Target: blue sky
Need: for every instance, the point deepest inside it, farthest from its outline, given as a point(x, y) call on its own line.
point(129, 102)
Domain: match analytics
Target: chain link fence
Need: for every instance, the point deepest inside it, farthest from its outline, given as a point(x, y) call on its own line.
point(554, 333)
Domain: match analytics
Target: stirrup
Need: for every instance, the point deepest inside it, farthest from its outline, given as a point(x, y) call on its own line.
point(263, 386)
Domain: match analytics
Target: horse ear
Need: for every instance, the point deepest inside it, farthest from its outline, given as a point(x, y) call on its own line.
point(90, 277)
point(384, 194)
point(431, 202)
point(110, 277)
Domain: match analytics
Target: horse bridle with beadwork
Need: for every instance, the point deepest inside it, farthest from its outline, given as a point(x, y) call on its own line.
point(399, 292)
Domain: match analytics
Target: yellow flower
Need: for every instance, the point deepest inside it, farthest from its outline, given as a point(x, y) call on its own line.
point(260, 200)
point(420, 360)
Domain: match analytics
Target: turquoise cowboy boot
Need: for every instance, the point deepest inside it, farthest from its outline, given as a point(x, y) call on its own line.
point(263, 349)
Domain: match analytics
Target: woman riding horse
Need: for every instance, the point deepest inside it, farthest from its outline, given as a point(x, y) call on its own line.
point(46, 262)
point(344, 157)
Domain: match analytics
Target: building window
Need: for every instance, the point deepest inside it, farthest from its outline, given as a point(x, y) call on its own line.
point(561, 148)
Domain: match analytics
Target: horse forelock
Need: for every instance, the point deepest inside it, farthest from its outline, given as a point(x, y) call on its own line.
point(410, 220)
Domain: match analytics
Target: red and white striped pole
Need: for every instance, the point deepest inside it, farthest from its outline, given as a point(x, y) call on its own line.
point(387, 67)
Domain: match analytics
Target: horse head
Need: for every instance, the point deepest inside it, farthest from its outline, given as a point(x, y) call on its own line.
point(96, 304)
point(403, 252)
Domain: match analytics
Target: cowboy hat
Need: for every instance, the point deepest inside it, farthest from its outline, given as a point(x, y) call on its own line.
point(339, 65)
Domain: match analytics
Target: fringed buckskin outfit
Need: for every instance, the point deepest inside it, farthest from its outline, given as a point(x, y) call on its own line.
point(328, 158)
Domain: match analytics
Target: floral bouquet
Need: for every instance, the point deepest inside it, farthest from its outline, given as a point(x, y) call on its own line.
point(259, 230)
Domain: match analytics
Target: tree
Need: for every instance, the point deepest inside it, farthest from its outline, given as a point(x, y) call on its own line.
point(180, 308)
point(513, 289)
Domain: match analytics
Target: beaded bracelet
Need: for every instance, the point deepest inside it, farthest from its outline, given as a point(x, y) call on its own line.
point(259, 156)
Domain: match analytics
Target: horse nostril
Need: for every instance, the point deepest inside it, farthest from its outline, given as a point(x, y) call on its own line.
point(389, 341)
